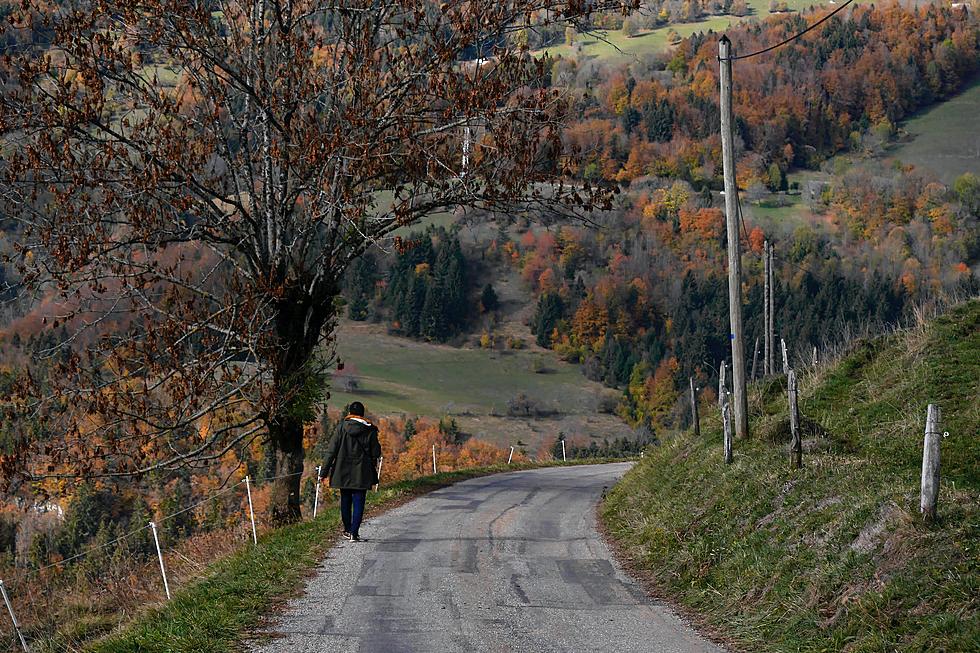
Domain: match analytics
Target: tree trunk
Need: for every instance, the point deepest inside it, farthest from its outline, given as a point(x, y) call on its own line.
point(299, 324)
point(286, 435)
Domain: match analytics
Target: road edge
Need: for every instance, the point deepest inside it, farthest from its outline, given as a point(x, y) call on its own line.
point(647, 580)
point(224, 607)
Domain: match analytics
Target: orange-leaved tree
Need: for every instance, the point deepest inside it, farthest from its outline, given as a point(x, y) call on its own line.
point(192, 178)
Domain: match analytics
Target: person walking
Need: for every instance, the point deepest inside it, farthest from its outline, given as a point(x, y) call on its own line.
point(352, 466)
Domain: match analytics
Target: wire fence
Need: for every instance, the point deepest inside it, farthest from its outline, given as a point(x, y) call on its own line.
point(62, 603)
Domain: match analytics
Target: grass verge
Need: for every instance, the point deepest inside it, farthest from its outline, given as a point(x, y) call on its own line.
point(216, 613)
point(833, 557)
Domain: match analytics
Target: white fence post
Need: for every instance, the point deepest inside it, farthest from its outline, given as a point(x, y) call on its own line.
point(435, 470)
point(251, 513)
point(563, 459)
point(511, 456)
point(782, 343)
point(163, 569)
point(929, 498)
point(13, 617)
point(316, 493)
point(381, 464)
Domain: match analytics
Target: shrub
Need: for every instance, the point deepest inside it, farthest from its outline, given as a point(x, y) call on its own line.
point(522, 406)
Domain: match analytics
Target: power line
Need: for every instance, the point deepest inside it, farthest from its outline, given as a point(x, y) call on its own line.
point(795, 265)
point(792, 38)
point(90, 550)
point(741, 219)
point(199, 503)
point(130, 534)
point(276, 478)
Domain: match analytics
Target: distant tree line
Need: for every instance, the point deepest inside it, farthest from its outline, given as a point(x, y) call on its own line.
point(621, 447)
point(424, 293)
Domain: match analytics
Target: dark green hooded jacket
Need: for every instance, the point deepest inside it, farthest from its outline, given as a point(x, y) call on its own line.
point(352, 455)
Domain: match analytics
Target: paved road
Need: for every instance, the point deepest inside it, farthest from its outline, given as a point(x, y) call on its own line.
point(503, 563)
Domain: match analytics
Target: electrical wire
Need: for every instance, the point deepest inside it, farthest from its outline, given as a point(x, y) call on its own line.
point(90, 550)
point(795, 265)
point(790, 39)
point(741, 219)
point(276, 478)
point(199, 503)
point(130, 534)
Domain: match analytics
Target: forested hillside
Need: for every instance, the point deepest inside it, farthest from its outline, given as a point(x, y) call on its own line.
point(639, 297)
point(628, 282)
point(641, 301)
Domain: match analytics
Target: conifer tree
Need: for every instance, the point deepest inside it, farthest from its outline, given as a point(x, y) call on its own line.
point(488, 299)
point(549, 312)
point(360, 286)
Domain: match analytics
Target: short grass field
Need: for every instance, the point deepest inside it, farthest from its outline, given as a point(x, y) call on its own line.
point(402, 376)
point(945, 138)
point(833, 557)
point(616, 48)
point(942, 139)
point(778, 219)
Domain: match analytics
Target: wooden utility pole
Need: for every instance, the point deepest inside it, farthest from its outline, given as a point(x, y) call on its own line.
point(741, 412)
point(930, 465)
point(766, 317)
point(694, 410)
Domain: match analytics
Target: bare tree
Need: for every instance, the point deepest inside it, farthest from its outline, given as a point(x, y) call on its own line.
point(189, 240)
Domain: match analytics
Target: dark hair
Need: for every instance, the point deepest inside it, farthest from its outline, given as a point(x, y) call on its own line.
point(356, 408)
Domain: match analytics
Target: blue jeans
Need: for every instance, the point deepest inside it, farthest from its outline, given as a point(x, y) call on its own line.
point(352, 499)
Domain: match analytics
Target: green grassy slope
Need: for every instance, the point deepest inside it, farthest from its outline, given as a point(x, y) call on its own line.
point(402, 376)
point(833, 557)
point(944, 138)
point(615, 47)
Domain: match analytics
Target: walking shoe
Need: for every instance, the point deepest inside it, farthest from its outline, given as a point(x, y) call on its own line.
point(356, 538)
point(348, 536)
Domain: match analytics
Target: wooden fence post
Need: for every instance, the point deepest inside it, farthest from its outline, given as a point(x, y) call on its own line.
point(930, 464)
point(721, 385)
point(796, 441)
point(755, 358)
point(771, 328)
point(767, 346)
point(726, 420)
point(694, 410)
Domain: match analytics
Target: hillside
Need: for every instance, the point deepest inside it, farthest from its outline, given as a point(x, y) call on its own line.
point(613, 46)
point(476, 387)
point(833, 557)
point(944, 138)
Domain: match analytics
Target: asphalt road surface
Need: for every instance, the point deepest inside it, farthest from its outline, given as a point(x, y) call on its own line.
point(510, 562)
